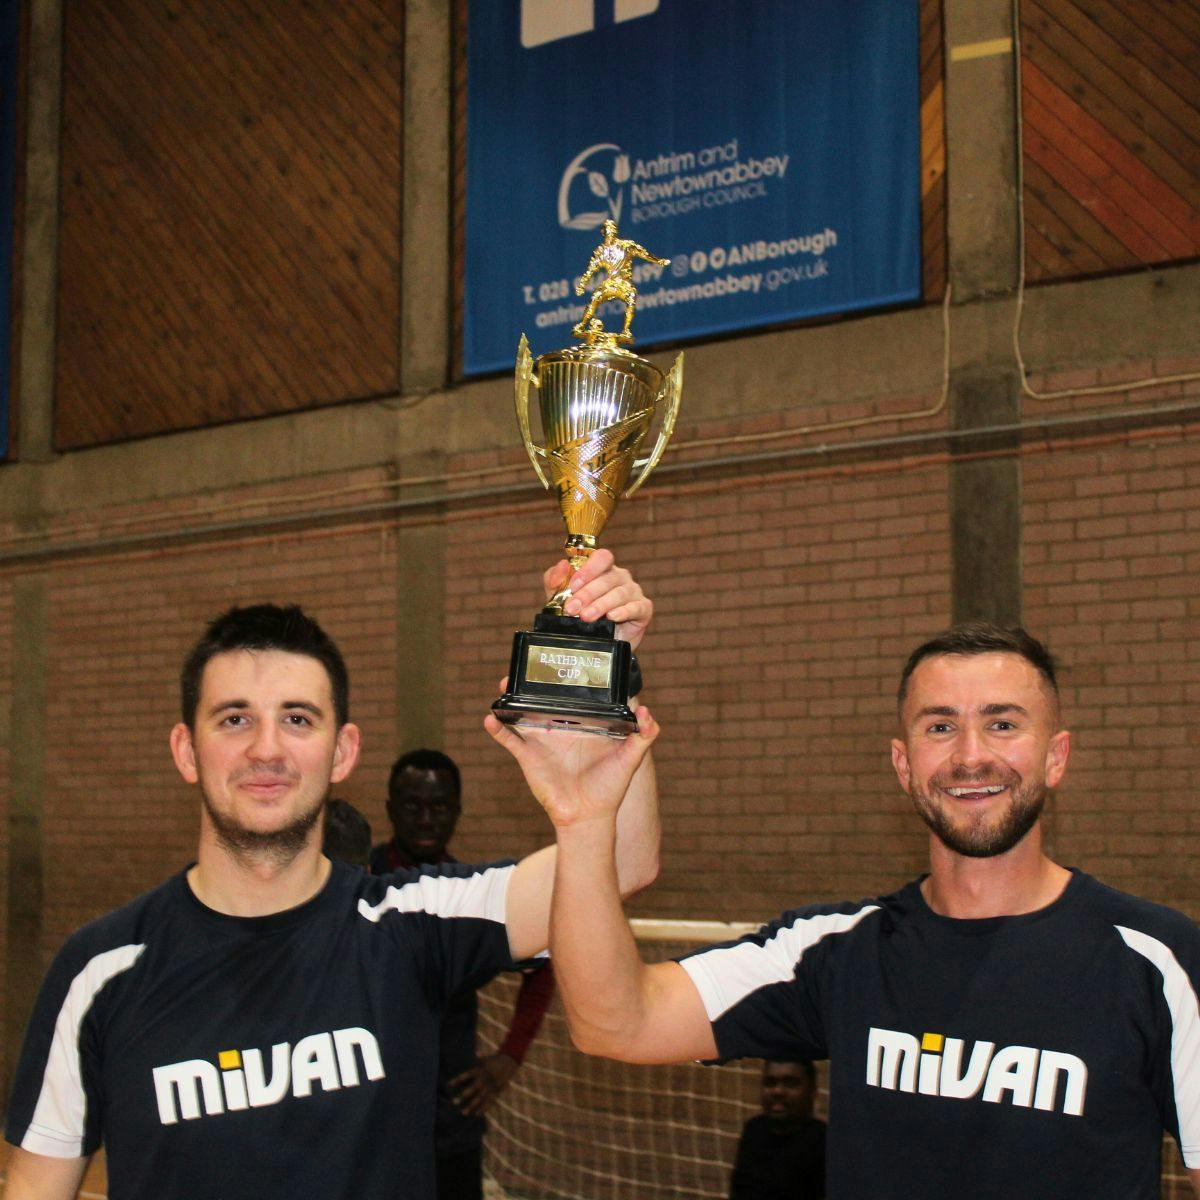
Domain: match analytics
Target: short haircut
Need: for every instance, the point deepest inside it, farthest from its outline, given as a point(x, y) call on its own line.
point(805, 1064)
point(347, 833)
point(981, 637)
point(426, 760)
point(264, 627)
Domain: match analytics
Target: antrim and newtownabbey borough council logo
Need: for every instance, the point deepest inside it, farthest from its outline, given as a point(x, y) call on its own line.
point(669, 183)
point(593, 175)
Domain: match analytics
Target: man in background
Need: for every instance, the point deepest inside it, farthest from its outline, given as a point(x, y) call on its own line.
point(781, 1153)
point(424, 804)
point(347, 834)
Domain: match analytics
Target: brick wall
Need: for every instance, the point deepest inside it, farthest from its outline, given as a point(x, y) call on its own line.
point(1111, 563)
point(786, 603)
point(117, 817)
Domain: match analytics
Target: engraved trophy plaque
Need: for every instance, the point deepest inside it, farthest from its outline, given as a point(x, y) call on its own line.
point(597, 402)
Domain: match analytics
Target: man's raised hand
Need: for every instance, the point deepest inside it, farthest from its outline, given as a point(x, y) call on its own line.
point(576, 776)
point(601, 589)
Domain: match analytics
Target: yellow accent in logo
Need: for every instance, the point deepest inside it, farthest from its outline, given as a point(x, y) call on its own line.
point(228, 1059)
point(933, 1042)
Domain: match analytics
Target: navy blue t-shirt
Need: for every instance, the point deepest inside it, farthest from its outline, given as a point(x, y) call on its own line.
point(779, 1161)
point(296, 1054)
point(1039, 1056)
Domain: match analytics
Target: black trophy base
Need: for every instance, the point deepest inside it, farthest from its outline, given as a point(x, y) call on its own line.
point(569, 674)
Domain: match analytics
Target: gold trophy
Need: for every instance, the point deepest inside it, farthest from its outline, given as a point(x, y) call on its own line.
point(597, 403)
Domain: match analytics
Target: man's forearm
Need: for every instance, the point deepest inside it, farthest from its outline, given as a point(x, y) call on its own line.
point(596, 961)
point(39, 1177)
point(638, 832)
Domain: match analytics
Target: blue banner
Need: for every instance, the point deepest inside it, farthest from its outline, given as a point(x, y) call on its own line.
point(769, 148)
point(9, 33)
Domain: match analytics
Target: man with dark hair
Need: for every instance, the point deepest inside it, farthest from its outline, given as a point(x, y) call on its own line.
point(347, 835)
point(265, 1023)
point(781, 1153)
point(1000, 1027)
point(424, 804)
point(264, 627)
point(981, 637)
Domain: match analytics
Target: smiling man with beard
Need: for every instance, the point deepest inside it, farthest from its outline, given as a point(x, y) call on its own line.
point(266, 1022)
point(1000, 1027)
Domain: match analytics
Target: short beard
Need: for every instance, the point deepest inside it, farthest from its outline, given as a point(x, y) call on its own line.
point(278, 847)
point(984, 841)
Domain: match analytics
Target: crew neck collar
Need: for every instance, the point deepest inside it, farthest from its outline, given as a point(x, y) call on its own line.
point(268, 922)
point(971, 926)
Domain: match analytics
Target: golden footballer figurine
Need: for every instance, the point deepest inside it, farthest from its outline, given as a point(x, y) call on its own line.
point(614, 255)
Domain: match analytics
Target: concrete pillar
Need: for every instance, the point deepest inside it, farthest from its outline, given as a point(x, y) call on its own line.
point(425, 226)
point(35, 419)
point(24, 734)
point(420, 579)
point(981, 147)
point(24, 727)
point(424, 357)
point(985, 504)
point(981, 171)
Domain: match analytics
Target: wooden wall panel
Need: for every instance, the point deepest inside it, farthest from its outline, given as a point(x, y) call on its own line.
point(229, 242)
point(1111, 123)
point(16, 280)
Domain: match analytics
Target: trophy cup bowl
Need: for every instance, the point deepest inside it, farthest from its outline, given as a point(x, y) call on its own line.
point(597, 403)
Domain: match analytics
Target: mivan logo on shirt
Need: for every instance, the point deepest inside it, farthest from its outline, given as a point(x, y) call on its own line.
point(238, 1081)
point(1049, 1080)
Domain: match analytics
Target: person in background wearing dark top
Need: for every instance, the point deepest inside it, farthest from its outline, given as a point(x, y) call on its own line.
point(347, 835)
point(781, 1154)
point(424, 803)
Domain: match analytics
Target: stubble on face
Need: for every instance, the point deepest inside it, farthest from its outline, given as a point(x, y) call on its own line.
point(263, 753)
point(274, 847)
point(981, 836)
point(979, 749)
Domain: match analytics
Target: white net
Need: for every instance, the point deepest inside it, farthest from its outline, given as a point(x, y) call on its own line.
point(581, 1128)
point(571, 1127)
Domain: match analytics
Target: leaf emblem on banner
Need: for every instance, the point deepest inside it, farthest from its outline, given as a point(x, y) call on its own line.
point(621, 169)
point(597, 183)
point(592, 220)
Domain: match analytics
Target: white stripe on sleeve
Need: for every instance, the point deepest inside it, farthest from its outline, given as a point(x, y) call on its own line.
point(1185, 1037)
point(57, 1126)
point(481, 895)
point(726, 976)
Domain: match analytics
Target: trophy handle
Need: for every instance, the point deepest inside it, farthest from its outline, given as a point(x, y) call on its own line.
point(525, 377)
point(671, 391)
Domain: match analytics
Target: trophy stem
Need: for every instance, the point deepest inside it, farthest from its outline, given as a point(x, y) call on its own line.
point(578, 548)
